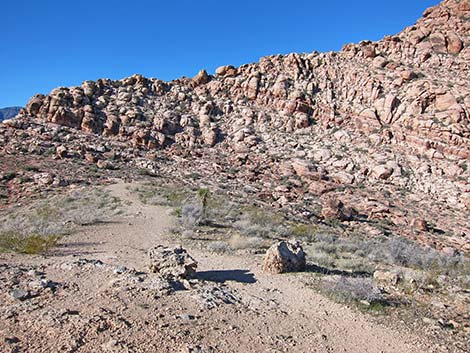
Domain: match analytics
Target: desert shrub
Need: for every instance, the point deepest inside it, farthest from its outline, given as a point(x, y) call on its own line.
point(240, 242)
point(359, 254)
point(167, 195)
point(9, 176)
point(191, 216)
point(39, 225)
point(333, 252)
point(188, 234)
point(219, 247)
point(31, 168)
point(30, 244)
point(322, 259)
point(348, 289)
point(303, 231)
point(402, 252)
point(221, 210)
point(255, 221)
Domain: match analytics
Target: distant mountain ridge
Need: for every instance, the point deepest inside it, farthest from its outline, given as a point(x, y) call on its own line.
point(9, 112)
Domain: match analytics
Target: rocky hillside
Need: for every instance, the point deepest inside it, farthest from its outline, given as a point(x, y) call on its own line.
point(382, 126)
point(415, 84)
point(8, 113)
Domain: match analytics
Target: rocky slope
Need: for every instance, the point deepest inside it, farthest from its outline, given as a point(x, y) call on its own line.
point(383, 126)
point(8, 113)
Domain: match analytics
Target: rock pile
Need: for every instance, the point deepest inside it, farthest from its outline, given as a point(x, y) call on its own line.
point(171, 262)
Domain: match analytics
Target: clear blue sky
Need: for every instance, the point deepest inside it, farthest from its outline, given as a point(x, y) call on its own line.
point(50, 43)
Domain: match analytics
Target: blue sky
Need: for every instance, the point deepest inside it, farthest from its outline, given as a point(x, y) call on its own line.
point(51, 43)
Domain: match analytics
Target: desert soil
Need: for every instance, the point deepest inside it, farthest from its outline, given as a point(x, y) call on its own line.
point(108, 306)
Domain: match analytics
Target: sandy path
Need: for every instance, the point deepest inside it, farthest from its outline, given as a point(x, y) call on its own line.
point(276, 313)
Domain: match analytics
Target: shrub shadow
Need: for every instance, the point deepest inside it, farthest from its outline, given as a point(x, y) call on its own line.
point(77, 249)
point(326, 271)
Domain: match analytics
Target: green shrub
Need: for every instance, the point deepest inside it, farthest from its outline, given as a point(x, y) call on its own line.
point(27, 244)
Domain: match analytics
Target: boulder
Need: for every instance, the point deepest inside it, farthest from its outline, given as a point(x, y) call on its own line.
point(34, 105)
point(201, 78)
point(227, 70)
point(379, 62)
point(253, 87)
point(320, 187)
point(438, 42)
point(335, 209)
point(20, 294)
point(343, 178)
point(454, 43)
point(105, 164)
point(209, 136)
point(420, 224)
point(445, 101)
point(302, 168)
point(43, 178)
point(369, 51)
point(284, 256)
point(171, 262)
point(408, 75)
point(386, 277)
point(61, 152)
point(382, 172)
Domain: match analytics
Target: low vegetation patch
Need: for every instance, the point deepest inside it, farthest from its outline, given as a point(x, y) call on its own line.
point(358, 290)
point(355, 253)
point(38, 227)
point(27, 244)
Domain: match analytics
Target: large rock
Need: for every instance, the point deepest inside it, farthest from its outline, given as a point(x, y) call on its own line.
point(285, 256)
point(445, 101)
point(386, 277)
point(201, 78)
point(171, 262)
point(302, 167)
point(379, 62)
point(382, 172)
point(369, 51)
point(227, 70)
point(454, 43)
point(335, 209)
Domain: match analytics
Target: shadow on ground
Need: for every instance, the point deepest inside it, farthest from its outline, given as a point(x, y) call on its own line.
point(76, 249)
point(221, 276)
point(327, 271)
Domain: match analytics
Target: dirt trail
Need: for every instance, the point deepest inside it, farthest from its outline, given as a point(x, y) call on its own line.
point(100, 311)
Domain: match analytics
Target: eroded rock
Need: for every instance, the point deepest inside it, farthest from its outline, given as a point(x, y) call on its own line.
point(171, 262)
point(285, 256)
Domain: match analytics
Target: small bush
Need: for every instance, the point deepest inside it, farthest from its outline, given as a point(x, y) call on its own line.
point(255, 221)
point(303, 231)
point(240, 242)
point(31, 244)
point(31, 168)
point(219, 247)
point(164, 196)
point(347, 289)
point(9, 176)
point(321, 259)
point(191, 216)
point(358, 254)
